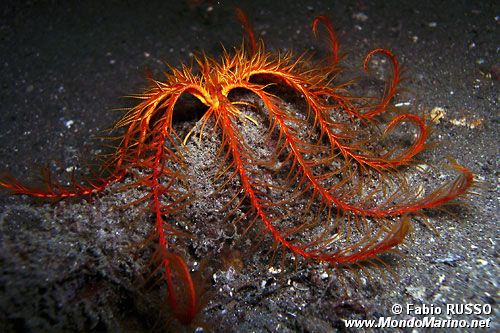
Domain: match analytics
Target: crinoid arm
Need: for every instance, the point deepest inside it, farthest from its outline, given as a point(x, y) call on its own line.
point(52, 189)
point(391, 91)
point(242, 17)
point(152, 146)
point(332, 35)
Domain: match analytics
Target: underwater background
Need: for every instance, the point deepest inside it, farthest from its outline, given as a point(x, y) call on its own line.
point(65, 67)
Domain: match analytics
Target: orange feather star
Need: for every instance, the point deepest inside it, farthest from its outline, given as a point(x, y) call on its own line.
point(321, 182)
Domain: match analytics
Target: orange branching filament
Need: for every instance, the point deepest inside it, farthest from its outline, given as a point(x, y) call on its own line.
point(322, 183)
